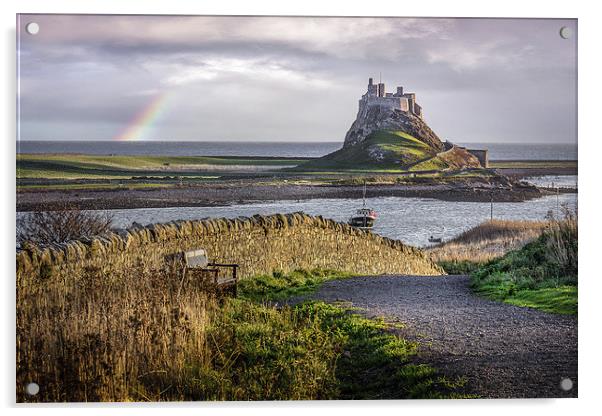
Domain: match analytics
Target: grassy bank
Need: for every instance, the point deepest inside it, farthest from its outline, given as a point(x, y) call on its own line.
point(532, 164)
point(541, 275)
point(150, 336)
point(483, 243)
point(72, 166)
point(524, 263)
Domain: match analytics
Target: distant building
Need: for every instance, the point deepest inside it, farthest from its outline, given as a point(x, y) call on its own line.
point(377, 96)
point(481, 154)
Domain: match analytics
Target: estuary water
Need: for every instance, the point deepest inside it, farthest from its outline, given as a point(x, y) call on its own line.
point(553, 181)
point(411, 220)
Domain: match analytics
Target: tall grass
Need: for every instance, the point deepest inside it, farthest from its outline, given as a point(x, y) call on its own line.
point(542, 274)
point(561, 242)
point(485, 242)
point(151, 336)
point(110, 337)
point(138, 337)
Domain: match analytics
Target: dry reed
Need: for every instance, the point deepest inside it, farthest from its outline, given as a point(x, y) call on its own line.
point(487, 241)
point(561, 242)
point(98, 338)
point(154, 336)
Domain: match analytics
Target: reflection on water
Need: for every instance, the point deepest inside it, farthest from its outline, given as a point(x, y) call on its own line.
point(411, 220)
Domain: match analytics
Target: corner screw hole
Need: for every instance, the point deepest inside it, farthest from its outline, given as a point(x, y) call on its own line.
point(32, 28)
point(566, 32)
point(32, 389)
point(566, 384)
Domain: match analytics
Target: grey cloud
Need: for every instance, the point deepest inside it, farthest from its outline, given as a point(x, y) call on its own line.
point(294, 78)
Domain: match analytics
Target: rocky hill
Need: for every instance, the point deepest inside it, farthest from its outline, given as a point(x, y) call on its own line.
point(389, 133)
point(376, 118)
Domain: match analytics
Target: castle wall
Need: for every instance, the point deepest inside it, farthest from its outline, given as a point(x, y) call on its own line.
point(259, 245)
point(418, 110)
point(399, 100)
point(392, 102)
point(411, 105)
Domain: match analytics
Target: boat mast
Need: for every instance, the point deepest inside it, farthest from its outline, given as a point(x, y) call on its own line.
point(364, 197)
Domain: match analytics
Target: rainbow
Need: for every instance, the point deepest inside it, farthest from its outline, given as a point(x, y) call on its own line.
point(143, 121)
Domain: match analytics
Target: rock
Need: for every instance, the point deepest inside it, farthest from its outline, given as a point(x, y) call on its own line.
point(376, 118)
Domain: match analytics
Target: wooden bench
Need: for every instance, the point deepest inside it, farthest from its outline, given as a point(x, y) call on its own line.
point(196, 263)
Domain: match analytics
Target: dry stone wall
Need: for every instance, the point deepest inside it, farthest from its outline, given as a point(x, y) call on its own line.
point(260, 244)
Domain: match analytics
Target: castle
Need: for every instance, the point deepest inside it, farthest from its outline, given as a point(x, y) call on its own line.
point(377, 96)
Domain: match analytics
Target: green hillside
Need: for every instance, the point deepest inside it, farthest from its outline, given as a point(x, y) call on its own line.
point(382, 150)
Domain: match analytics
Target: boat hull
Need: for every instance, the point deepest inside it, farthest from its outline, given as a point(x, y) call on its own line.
point(362, 222)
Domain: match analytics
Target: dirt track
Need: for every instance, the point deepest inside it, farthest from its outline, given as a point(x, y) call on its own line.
point(503, 350)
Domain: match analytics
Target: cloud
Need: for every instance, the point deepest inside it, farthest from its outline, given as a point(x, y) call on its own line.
point(340, 37)
point(260, 69)
point(292, 78)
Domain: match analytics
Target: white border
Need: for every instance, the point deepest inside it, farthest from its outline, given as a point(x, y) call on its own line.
point(590, 154)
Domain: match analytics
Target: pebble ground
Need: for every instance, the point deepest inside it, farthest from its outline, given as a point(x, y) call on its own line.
point(504, 351)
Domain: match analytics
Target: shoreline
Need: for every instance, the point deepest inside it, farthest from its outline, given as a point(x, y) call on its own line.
point(91, 182)
point(229, 194)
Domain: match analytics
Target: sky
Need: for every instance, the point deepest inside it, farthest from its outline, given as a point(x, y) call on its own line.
point(212, 78)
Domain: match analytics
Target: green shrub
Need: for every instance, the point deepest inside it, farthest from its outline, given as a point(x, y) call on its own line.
point(538, 274)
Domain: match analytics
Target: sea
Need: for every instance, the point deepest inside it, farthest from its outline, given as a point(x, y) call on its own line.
point(497, 151)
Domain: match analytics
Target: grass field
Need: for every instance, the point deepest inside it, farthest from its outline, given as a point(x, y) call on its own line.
point(532, 164)
point(278, 286)
point(95, 186)
point(150, 336)
point(402, 152)
point(93, 166)
point(558, 299)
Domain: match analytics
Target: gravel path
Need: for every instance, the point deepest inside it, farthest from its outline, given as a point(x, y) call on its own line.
point(504, 351)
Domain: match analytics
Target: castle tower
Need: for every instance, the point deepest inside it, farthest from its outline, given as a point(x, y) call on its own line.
point(372, 88)
point(381, 89)
point(399, 92)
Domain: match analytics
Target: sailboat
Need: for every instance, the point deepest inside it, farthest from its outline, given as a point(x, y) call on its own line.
point(364, 218)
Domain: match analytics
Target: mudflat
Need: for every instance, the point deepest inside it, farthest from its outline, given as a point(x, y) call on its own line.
point(248, 191)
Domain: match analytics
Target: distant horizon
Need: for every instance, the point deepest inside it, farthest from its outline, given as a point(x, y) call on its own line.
point(272, 141)
point(497, 151)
